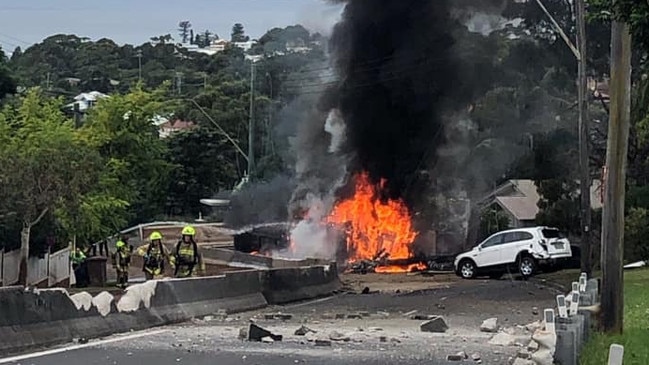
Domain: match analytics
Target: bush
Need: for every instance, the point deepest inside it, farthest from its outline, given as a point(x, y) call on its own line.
point(636, 245)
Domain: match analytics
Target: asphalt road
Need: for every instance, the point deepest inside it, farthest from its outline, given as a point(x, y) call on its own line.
point(383, 335)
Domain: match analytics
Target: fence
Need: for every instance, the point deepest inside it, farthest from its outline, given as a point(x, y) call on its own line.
point(37, 269)
point(59, 267)
point(53, 268)
point(10, 267)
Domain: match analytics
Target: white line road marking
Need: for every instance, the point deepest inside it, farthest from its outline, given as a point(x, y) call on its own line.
point(79, 347)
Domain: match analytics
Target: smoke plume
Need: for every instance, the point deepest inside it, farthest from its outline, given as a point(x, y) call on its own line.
point(399, 77)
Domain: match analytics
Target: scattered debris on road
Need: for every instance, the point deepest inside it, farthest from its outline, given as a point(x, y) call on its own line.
point(502, 339)
point(489, 325)
point(280, 316)
point(437, 324)
point(256, 333)
point(339, 337)
point(323, 342)
point(302, 331)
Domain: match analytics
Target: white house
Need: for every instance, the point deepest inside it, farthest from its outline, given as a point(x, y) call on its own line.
point(246, 46)
point(86, 101)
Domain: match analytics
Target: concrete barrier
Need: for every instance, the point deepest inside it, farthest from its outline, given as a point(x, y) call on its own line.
point(303, 283)
point(38, 318)
point(32, 318)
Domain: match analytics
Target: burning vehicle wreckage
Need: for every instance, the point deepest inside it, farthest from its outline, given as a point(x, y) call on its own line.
point(364, 235)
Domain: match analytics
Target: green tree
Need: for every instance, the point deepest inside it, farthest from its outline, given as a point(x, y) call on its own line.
point(559, 205)
point(238, 33)
point(7, 83)
point(204, 164)
point(492, 220)
point(184, 30)
point(121, 128)
point(43, 165)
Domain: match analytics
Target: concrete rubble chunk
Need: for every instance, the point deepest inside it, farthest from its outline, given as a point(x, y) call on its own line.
point(463, 355)
point(524, 354)
point(267, 340)
point(455, 357)
point(311, 336)
point(476, 357)
point(437, 325)
point(337, 336)
point(243, 333)
point(323, 342)
point(532, 327)
point(302, 331)
point(489, 325)
point(532, 346)
point(502, 339)
point(410, 314)
point(256, 333)
point(280, 316)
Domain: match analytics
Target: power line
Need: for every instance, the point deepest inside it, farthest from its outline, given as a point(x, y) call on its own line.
point(16, 39)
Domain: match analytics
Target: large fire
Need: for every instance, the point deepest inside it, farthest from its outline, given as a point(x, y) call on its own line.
point(376, 230)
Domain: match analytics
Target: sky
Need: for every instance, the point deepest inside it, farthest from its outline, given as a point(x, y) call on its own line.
point(25, 22)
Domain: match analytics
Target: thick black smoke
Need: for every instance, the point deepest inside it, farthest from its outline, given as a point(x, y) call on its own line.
point(398, 77)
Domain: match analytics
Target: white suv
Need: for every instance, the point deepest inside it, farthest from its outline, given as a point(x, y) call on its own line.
point(519, 249)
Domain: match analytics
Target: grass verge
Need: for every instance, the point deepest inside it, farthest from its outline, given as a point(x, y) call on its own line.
point(636, 326)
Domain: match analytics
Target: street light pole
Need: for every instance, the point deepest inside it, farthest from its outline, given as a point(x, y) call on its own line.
point(584, 141)
point(251, 122)
point(579, 52)
point(139, 59)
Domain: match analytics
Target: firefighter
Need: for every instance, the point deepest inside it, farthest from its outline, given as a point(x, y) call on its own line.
point(121, 262)
point(186, 253)
point(80, 267)
point(155, 254)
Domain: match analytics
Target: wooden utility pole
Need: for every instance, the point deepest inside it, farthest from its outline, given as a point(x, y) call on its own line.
point(584, 141)
point(616, 158)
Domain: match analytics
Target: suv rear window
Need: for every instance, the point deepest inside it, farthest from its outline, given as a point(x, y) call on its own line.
point(551, 233)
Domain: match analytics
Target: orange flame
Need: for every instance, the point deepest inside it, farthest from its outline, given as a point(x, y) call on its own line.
point(376, 229)
point(398, 269)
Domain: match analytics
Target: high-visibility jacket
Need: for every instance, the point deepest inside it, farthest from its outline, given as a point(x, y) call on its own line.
point(154, 257)
point(77, 257)
point(186, 253)
point(122, 259)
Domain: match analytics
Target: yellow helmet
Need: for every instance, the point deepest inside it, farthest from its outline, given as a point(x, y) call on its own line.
point(189, 231)
point(155, 236)
point(120, 244)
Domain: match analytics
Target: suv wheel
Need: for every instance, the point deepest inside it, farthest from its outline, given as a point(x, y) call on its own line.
point(526, 266)
point(467, 269)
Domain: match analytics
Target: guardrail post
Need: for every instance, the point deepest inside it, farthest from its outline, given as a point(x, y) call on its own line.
point(616, 354)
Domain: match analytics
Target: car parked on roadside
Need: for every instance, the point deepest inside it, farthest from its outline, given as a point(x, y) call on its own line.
point(519, 250)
